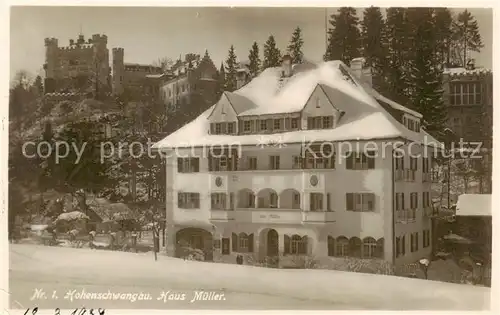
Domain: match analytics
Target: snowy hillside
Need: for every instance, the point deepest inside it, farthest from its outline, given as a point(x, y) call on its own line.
point(244, 286)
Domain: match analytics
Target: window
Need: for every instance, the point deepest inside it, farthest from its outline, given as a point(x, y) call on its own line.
point(400, 246)
point(230, 128)
point(296, 245)
point(274, 162)
point(426, 238)
point(263, 125)
point(188, 165)
point(465, 93)
point(316, 202)
point(252, 163)
point(369, 247)
point(218, 128)
point(277, 124)
point(327, 122)
point(399, 162)
point(342, 246)
point(328, 202)
point(426, 201)
point(413, 163)
point(295, 123)
point(360, 202)
point(320, 122)
point(250, 200)
point(246, 126)
point(320, 156)
point(297, 162)
point(218, 201)
point(414, 242)
point(243, 242)
point(188, 200)
point(360, 160)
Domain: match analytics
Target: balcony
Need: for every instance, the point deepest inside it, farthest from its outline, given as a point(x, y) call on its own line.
point(318, 217)
point(406, 216)
point(426, 177)
point(409, 175)
point(399, 175)
point(269, 216)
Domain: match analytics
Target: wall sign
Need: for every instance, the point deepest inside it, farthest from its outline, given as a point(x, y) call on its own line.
point(218, 181)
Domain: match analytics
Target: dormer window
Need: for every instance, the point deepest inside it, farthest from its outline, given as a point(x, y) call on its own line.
point(411, 123)
point(320, 122)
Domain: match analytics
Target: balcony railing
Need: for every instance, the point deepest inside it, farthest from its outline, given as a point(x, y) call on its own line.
point(221, 215)
point(426, 177)
point(409, 175)
point(318, 216)
point(406, 215)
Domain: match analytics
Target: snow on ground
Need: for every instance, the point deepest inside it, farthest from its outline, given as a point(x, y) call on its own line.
point(244, 287)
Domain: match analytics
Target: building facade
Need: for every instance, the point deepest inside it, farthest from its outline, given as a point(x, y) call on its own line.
point(468, 95)
point(300, 162)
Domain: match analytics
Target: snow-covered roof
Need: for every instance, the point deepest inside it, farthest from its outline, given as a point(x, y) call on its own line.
point(474, 205)
point(364, 118)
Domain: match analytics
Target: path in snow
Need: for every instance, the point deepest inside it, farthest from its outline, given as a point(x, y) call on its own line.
point(66, 269)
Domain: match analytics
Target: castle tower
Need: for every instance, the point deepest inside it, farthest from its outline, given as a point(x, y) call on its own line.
point(118, 70)
point(101, 58)
point(51, 64)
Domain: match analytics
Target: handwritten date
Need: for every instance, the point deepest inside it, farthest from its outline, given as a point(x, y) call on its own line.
point(78, 311)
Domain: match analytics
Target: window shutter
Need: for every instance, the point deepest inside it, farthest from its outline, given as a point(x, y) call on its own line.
point(287, 123)
point(403, 241)
point(223, 128)
point(269, 124)
point(287, 244)
point(234, 241)
point(179, 200)
point(212, 129)
point(252, 126)
point(250, 243)
point(304, 248)
point(180, 165)
point(416, 240)
point(349, 201)
point(349, 161)
point(403, 201)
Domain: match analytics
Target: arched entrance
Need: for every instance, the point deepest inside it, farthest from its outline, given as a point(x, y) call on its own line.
point(272, 243)
point(190, 239)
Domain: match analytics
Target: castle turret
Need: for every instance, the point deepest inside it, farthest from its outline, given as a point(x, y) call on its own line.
point(101, 58)
point(118, 70)
point(51, 64)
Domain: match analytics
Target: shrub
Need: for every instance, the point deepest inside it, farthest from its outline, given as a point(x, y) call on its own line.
point(353, 264)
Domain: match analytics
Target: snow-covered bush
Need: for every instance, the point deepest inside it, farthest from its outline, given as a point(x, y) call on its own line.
point(185, 251)
point(353, 264)
point(299, 262)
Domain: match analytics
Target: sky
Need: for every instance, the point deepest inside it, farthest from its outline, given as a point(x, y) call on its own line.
point(149, 33)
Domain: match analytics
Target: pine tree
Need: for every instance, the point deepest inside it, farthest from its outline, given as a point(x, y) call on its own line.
point(443, 23)
point(254, 59)
point(272, 54)
point(38, 85)
point(426, 71)
point(295, 46)
point(374, 45)
point(467, 34)
point(344, 36)
point(230, 80)
point(221, 80)
point(398, 47)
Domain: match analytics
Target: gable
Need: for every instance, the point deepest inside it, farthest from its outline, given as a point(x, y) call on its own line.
point(223, 111)
point(319, 104)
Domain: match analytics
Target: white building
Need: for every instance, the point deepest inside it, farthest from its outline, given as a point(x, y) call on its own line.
point(299, 162)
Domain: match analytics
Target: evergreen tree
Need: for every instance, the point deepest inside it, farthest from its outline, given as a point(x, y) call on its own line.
point(467, 34)
point(272, 54)
point(221, 80)
point(344, 36)
point(295, 46)
point(374, 45)
point(38, 85)
point(443, 23)
point(231, 70)
point(426, 71)
point(398, 47)
point(254, 59)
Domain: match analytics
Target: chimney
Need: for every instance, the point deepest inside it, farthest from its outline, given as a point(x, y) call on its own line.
point(361, 70)
point(286, 66)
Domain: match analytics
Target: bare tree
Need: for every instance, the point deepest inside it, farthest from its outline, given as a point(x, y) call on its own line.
point(164, 62)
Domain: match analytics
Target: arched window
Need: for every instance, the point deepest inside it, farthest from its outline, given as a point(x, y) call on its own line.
point(298, 245)
point(355, 247)
point(342, 246)
point(369, 247)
